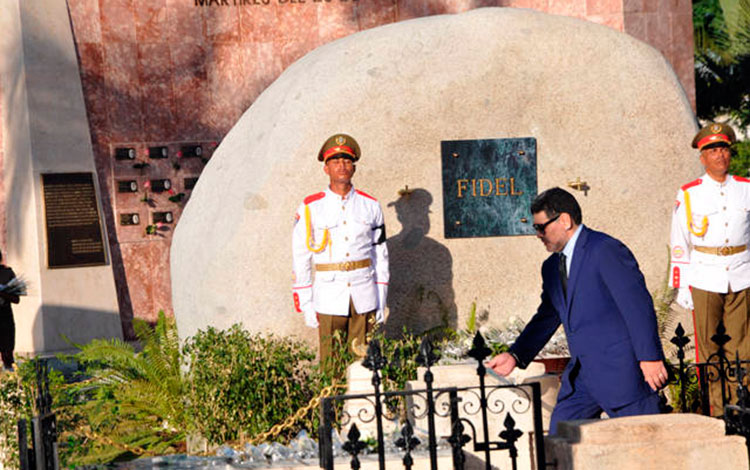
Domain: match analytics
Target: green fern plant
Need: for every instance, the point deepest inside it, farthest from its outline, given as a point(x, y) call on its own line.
point(148, 381)
point(134, 398)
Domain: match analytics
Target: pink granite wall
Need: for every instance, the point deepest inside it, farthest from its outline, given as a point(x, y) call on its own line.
point(176, 72)
point(668, 26)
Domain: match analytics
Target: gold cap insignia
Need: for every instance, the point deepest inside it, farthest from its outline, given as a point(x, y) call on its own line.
point(340, 140)
point(716, 128)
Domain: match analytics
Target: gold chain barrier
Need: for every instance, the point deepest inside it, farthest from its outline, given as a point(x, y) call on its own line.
point(301, 413)
point(82, 431)
point(271, 433)
point(91, 435)
point(77, 384)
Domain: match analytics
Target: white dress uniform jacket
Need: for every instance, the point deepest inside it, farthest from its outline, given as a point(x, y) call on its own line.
point(356, 232)
point(726, 209)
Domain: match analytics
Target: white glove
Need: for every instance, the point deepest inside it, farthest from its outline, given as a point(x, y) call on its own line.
point(311, 318)
point(685, 298)
point(380, 316)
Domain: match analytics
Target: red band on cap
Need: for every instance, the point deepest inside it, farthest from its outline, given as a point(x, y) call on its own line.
point(713, 138)
point(337, 150)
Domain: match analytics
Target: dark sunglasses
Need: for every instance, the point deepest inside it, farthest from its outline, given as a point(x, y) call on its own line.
point(540, 228)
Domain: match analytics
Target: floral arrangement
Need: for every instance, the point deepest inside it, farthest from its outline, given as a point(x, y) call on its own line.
point(455, 349)
point(146, 188)
point(16, 286)
point(154, 229)
point(175, 197)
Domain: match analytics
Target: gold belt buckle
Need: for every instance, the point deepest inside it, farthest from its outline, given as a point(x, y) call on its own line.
point(347, 265)
point(725, 251)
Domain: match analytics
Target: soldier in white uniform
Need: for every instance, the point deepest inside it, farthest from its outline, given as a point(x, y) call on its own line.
point(339, 235)
point(710, 261)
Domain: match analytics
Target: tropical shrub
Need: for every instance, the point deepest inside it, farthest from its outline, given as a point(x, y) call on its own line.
point(14, 405)
point(240, 384)
point(131, 402)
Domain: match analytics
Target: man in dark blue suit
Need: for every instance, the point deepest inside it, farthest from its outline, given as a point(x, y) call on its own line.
point(593, 286)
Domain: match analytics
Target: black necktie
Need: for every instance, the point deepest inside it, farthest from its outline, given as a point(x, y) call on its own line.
point(564, 274)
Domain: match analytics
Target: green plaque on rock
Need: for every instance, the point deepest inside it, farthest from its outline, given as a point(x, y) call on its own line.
point(488, 186)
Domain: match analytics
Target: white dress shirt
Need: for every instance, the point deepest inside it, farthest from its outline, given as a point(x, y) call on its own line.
point(570, 249)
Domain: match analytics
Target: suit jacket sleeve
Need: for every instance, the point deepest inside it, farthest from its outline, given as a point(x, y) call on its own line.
point(540, 328)
point(622, 277)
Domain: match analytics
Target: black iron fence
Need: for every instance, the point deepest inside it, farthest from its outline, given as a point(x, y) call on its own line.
point(691, 383)
point(467, 409)
point(694, 379)
point(43, 453)
point(718, 374)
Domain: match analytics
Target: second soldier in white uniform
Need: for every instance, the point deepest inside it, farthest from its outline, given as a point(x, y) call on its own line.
point(710, 261)
point(339, 252)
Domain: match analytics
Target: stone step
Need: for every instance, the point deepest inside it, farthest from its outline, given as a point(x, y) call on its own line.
point(684, 441)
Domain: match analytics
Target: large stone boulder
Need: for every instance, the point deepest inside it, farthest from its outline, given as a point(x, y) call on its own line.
point(602, 105)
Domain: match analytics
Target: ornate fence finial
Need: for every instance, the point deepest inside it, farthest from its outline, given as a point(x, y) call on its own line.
point(407, 442)
point(458, 439)
point(680, 340)
point(428, 355)
point(374, 359)
point(479, 349)
point(721, 338)
point(511, 434)
point(353, 446)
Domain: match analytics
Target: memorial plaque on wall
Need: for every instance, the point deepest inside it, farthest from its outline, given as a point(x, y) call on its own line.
point(74, 231)
point(488, 186)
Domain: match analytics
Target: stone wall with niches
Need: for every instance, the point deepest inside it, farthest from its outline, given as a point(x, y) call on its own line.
point(150, 183)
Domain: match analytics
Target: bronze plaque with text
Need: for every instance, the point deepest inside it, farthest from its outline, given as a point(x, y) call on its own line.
point(74, 231)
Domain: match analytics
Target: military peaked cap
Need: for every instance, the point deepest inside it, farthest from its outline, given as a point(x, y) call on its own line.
point(339, 144)
point(713, 133)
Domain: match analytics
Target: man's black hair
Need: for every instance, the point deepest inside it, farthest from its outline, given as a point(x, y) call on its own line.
point(556, 201)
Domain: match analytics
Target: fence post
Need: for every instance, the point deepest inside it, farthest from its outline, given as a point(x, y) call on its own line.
point(325, 428)
point(720, 339)
point(375, 361)
point(25, 457)
point(536, 395)
point(457, 439)
point(45, 424)
point(428, 357)
point(480, 351)
point(680, 340)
